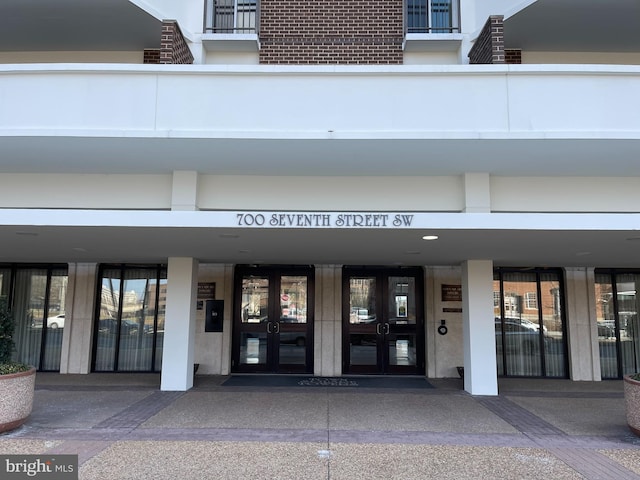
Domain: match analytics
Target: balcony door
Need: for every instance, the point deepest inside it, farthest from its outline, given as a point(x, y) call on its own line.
point(273, 320)
point(383, 321)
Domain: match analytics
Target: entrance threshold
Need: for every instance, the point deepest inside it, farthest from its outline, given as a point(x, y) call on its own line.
point(353, 381)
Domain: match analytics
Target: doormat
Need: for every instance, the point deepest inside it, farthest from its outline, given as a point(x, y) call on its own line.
point(306, 381)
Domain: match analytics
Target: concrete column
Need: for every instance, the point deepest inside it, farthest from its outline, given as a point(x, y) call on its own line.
point(184, 191)
point(180, 324)
point(477, 193)
point(228, 320)
point(444, 352)
point(478, 328)
point(77, 339)
point(582, 327)
point(327, 344)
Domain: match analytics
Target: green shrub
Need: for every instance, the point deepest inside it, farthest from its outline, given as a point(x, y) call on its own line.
point(6, 332)
point(13, 367)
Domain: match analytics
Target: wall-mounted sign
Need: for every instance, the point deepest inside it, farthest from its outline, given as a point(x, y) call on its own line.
point(451, 293)
point(206, 291)
point(452, 310)
point(323, 220)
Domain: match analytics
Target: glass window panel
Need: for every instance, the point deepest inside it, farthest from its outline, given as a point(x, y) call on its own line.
point(162, 307)
point(520, 326)
point(606, 325)
point(293, 348)
point(417, 16)
point(106, 335)
point(552, 324)
point(362, 300)
point(223, 16)
point(255, 299)
point(56, 320)
point(293, 299)
point(627, 308)
point(363, 349)
point(441, 16)
point(29, 313)
point(529, 327)
point(253, 348)
point(402, 349)
point(498, 324)
point(246, 16)
point(5, 282)
point(402, 300)
point(136, 323)
point(130, 324)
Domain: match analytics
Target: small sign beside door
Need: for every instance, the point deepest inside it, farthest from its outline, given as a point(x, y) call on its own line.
point(451, 293)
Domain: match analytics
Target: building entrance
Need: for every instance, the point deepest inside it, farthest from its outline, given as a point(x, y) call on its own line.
point(383, 321)
point(273, 320)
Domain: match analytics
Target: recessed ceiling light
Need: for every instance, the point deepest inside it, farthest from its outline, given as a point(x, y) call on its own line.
point(430, 237)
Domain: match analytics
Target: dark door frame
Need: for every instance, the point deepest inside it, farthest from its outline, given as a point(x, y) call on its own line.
point(275, 326)
point(381, 329)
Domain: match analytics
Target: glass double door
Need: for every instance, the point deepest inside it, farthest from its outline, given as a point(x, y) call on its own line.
point(383, 321)
point(273, 320)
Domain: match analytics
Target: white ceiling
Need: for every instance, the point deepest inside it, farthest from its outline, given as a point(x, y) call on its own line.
point(329, 157)
point(546, 25)
point(72, 25)
point(329, 246)
point(321, 246)
point(575, 26)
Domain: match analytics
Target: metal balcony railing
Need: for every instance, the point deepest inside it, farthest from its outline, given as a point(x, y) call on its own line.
point(432, 16)
point(420, 16)
point(231, 16)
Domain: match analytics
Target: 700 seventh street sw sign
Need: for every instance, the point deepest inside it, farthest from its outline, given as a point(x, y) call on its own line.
point(323, 220)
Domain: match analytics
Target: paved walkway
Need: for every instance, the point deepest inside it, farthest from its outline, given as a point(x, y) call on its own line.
point(122, 427)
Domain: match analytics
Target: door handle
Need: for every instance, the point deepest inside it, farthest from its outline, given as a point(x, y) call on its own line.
point(379, 328)
point(276, 327)
point(269, 327)
point(387, 329)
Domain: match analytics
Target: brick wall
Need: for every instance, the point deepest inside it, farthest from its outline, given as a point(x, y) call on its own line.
point(512, 55)
point(331, 31)
point(151, 55)
point(173, 46)
point(489, 46)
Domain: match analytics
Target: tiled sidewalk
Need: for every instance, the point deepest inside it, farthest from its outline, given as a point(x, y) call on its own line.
point(124, 427)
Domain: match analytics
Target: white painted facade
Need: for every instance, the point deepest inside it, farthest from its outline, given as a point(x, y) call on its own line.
point(106, 160)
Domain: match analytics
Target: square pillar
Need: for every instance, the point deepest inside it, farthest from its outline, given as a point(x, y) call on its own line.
point(327, 338)
point(582, 324)
point(478, 328)
point(180, 324)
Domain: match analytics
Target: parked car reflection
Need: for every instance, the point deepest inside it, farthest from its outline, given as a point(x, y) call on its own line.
point(127, 327)
point(520, 336)
point(56, 321)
